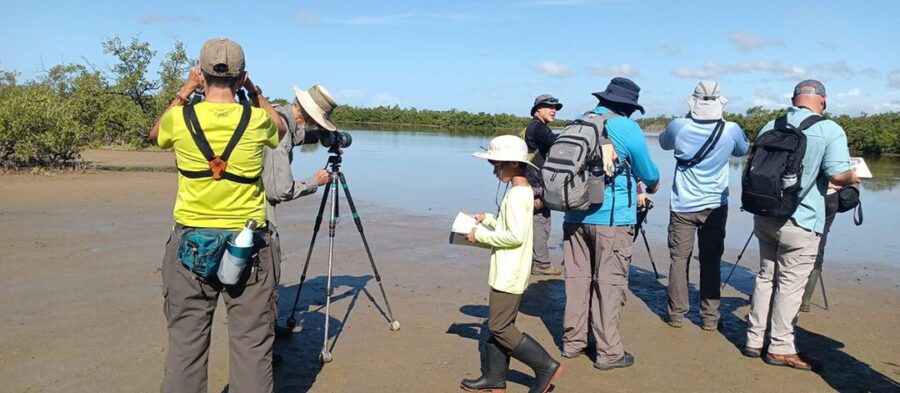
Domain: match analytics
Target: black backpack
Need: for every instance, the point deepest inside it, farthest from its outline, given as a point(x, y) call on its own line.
point(772, 177)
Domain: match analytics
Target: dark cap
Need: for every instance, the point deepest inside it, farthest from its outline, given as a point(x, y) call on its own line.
point(621, 90)
point(809, 86)
point(222, 57)
point(546, 99)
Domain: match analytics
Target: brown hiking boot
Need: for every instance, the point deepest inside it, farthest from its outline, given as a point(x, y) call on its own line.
point(550, 271)
point(793, 361)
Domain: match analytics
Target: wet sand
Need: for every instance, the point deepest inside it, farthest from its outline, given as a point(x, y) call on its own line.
point(81, 305)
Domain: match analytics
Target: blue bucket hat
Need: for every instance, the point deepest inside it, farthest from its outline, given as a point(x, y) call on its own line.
point(621, 90)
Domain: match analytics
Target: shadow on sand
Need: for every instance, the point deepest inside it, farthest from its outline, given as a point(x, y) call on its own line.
point(300, 351)
point(543, 299)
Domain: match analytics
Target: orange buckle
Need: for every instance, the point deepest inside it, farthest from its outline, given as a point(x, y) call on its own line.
point(218, 167)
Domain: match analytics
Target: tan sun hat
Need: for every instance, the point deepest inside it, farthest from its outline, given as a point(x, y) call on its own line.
point(317, 102)
point(506, 148)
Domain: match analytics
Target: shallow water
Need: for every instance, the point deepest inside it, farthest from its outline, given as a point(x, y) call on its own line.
point(432, 173)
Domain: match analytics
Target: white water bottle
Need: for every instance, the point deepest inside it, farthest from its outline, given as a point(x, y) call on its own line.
point(236, 254)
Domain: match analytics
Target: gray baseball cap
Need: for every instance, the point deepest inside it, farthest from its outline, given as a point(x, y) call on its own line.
point(809, 86)
point(546, 99)
point(222, 57)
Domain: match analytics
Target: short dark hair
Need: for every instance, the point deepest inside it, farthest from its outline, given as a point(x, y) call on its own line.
point(220, 81)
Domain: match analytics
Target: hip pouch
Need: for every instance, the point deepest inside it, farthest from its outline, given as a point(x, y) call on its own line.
point(201, 250)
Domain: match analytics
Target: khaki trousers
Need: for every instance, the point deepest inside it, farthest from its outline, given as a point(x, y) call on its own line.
point(502, 311)
point(787, 254)
point(710, 225)
point(189, 304)
point(597, 260)
point(541, 255)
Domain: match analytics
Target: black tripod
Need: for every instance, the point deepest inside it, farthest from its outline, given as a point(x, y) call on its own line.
point(337, 180)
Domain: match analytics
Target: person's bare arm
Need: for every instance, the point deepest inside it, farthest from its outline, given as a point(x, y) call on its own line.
point(845, 179)
point(260, 101)
point(184, 94)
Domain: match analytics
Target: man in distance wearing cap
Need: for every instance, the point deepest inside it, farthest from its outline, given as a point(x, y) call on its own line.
point(703, 142)
point(597, 243)
point(219, 195)
point(788, 246)
point(538, 137)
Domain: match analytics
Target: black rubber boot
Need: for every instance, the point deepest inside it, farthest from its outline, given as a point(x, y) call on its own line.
point(546, 369)
point(493, 379)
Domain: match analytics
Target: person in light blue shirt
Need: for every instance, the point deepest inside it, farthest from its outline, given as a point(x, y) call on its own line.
point(703, 144)
point(598, 242)
point(788, 246)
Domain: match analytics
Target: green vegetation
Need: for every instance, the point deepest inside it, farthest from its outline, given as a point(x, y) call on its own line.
point(48, 121)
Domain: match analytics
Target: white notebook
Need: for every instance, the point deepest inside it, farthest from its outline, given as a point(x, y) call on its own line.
point(462, 225)
point(862, 170)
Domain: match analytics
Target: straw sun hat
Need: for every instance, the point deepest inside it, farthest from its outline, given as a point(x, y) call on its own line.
point(317, 102)
point(506, 148)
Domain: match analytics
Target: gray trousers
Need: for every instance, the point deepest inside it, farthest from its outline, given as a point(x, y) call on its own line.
point(597, 259)
point(709, 224)
point(787, 254)
point(189, 304)
point(541, 255)
point(502, 311)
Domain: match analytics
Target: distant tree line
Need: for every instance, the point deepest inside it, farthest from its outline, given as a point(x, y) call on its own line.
point(49, 120)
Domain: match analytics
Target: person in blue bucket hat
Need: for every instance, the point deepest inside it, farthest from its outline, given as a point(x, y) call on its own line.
point(597, 242)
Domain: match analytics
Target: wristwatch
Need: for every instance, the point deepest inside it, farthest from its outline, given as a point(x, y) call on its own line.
point(257, 91)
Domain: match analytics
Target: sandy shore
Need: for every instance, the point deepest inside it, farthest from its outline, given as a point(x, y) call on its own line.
point(81, 307)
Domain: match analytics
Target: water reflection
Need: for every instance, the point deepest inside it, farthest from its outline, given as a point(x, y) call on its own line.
point(431, 173)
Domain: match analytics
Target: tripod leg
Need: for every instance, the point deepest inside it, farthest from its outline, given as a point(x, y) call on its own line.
point(647, 244)
point(395, 325)
point(291, 321)
point(737, 261)
point(325, 355)
point(824, 296)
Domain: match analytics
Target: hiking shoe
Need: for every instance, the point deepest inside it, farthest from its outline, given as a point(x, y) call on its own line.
point(751, 352)
point(710, 327)
point(804, 308)
point(549, 271)
point(626, 361)
point(675, 323)
point(571, 355)
point(792, 360)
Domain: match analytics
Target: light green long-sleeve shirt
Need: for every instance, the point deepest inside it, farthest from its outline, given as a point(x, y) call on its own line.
point(510, 235)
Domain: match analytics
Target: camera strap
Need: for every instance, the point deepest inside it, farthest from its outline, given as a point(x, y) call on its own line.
point(217, 163)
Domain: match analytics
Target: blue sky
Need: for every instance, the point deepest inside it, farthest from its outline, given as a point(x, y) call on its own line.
point(496, 56)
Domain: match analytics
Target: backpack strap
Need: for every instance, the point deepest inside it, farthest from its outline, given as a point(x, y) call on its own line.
point(706, 149)
point(217, 164)
point(809, 121)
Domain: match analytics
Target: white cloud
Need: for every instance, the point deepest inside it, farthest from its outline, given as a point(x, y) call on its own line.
point(407, 18)
point(767, 99)
point(837, 68)
point(348, 95)
point(553, 69)
point(671, 48)
point(854, 92)
point(870, 72)
point(894, 79)
point(306, 18)
point(626, 70)
point(746, 42)
point(384, 99)
point(713, 70)
point(163, 19)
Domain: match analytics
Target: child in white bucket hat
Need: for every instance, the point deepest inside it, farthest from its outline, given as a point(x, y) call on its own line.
point(509, 234)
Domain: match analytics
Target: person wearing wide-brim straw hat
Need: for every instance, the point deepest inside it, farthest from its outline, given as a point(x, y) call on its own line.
point(699, 202)
point(305, 117)
point(509, 234)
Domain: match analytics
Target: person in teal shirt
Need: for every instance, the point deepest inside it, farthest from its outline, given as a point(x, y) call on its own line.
point(598, 242)
point(788, 246)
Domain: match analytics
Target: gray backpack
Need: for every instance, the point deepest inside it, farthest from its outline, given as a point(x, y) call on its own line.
point(574, 161)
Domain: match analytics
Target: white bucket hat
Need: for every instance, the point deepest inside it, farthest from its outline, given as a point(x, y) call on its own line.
point(317, 102)
point(506, 148)
point(707, 102)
